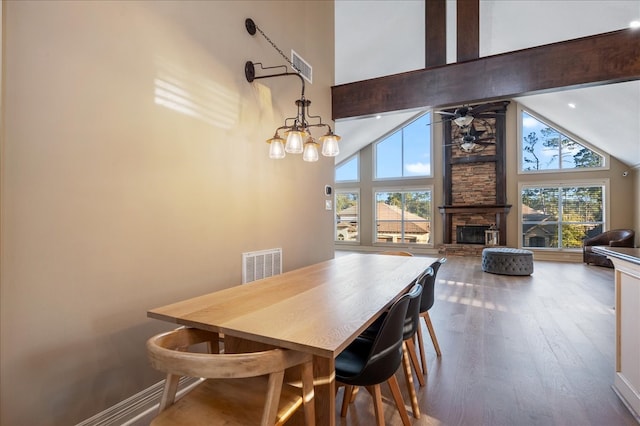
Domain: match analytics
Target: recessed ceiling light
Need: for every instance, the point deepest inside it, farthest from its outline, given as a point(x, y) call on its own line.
point(571, 105)
point(378, 117)
point(634, 24)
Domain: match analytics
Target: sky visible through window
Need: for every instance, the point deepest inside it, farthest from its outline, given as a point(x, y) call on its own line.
point(406, 152)
point(348, 171)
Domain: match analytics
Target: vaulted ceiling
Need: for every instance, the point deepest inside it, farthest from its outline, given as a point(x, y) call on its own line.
point(377, 38)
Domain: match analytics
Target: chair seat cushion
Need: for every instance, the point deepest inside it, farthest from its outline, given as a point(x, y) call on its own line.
point(227, 402)
point(507, 261)
point(351, 361)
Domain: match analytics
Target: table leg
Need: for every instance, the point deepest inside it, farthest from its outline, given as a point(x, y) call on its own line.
point(325, 390)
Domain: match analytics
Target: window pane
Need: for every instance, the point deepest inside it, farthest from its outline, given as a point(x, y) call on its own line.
point(575, 155)
point(582, 204)
point(405, 153)
point(540, 204)
point(417, 147)
point(573, 234)
point(347, 171)
point(545, 148)
point(347, 216)
point(389, 156)
point(561, 217)
point(403, 217)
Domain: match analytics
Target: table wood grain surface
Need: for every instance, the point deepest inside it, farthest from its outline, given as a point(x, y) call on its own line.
point(318, 309)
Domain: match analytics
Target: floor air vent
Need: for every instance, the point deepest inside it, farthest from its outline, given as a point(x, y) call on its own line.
point(302, 66)
point(261, 264)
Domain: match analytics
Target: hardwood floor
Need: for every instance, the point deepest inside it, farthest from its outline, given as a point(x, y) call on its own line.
point(535, 350)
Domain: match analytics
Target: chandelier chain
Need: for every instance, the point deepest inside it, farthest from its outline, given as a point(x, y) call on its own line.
point(277, 49)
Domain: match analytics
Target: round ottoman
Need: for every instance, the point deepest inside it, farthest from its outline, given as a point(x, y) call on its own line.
point(507, 261)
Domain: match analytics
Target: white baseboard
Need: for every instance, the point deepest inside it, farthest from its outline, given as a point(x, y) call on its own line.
point(138, 406)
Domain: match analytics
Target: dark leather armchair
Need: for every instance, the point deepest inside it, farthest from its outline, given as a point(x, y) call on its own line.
point(612, 238)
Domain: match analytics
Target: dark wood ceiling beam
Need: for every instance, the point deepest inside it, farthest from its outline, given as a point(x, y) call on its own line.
point(467, 30)
point(595, 60)
point(435, 43)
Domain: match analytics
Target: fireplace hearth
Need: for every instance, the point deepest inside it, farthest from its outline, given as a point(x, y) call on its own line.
point(471, 234)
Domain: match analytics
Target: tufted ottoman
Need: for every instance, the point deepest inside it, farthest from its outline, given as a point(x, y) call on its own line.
point(507, 261)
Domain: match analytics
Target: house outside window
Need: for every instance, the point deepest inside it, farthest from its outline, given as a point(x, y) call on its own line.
point(561, 216)
point(544, 148)
point(347, 221)
point(405, 153)
point(403, 217)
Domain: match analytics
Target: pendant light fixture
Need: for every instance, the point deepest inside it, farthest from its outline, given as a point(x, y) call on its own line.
point(297, 129)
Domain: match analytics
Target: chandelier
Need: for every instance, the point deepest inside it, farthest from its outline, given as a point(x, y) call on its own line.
point(296, 130)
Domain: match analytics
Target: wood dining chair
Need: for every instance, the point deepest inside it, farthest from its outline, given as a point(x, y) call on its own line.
point(237, 389)
point(428, 282)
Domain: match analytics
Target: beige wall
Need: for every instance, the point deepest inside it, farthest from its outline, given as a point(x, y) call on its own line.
point(113, 203)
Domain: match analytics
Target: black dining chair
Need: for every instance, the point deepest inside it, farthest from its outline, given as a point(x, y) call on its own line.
point(428, 282)
point(369, 362)
point(410, 361)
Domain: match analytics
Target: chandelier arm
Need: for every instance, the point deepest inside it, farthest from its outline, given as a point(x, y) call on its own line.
point(250, 73)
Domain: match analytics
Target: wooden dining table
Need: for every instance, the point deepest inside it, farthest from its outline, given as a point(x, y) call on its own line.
point(318, 309)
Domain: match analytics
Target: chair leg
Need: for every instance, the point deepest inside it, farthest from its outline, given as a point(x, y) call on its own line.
point(423, 358)
point(397, 397)
point(411, 349)
point(427, 320)
point(377, 403)
point(274, 389)
point(346, 398)
point(354, 392)
point(408, 374)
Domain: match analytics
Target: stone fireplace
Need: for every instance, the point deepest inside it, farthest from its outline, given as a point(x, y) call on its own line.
point(474, 186)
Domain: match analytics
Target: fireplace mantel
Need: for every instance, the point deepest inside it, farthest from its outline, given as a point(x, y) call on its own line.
point(492, 208)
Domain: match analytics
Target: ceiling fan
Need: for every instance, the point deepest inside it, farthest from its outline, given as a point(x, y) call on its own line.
point(471, 139)
point(464, 115)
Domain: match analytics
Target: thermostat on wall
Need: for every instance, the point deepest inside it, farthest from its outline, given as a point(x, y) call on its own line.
point(327, 190)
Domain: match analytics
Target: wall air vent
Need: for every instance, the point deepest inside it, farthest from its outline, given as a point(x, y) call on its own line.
point(261, 264)
point(302, 66)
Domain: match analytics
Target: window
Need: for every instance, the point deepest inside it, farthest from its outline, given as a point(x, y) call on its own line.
point(348, 171)
point(347, 204)
point(561, 216)
point(544, 148)
point(406, 152)
point(403, 217)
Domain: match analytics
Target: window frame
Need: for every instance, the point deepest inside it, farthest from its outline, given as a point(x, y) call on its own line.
point(374, 230)
point(605, 183)
point(353, 190)
point(519, 110)
point(374, 148)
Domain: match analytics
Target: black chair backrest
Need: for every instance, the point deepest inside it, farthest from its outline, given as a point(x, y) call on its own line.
point(386, 352)
point(437, 264)
point(412, 318)
point(428, 281)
